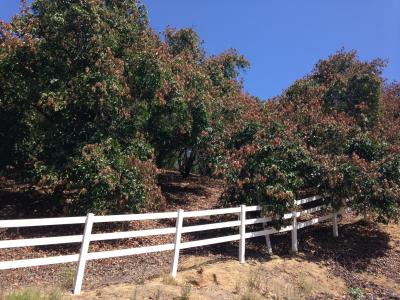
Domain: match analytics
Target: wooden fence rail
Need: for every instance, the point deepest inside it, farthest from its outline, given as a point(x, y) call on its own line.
point(87, 236)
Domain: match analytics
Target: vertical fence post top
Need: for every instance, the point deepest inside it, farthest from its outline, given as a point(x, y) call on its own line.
point(242, 232)
point(80, 271)
point(180, 214)
point(178, 233)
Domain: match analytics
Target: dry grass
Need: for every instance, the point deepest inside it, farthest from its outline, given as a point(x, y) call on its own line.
point(186, 288)
point(66, 277)
point(250, 295)
point(169, 280)
point(33, 294)
point(278, 278)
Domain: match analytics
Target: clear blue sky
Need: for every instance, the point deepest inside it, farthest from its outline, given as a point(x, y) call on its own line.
point(282, 38)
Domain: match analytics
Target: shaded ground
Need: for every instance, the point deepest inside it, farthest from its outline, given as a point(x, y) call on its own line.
point(365, 256)
point(21, 201)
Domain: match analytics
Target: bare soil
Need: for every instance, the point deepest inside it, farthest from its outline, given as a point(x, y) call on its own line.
point(293, 278)
point(365, 257)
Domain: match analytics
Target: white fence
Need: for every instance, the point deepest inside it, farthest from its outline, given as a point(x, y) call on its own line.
point(90, 219)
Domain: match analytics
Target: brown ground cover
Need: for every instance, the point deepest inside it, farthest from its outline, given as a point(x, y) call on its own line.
point(366, 256)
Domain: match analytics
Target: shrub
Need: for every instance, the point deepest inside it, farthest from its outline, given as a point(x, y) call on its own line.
point(112, 179)
point(356, 293)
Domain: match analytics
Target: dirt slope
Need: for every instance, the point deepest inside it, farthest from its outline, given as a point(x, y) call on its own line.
point(364, 260)
point(292, 278)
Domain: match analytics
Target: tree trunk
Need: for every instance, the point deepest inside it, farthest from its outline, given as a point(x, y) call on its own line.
point(187, 158)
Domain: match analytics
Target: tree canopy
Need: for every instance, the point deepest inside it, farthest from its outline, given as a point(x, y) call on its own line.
point(92, 99)
point(334, 133)
point(93, 103)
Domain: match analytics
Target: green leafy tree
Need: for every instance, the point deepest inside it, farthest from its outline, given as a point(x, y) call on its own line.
point(352, 86)
point(331, 133)
point(87, 86)
point(66, 87)
point(193, 113)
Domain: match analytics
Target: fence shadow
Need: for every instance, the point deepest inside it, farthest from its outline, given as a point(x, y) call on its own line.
point(357, 245)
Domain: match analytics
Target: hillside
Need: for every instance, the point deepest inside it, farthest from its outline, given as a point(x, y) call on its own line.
point(365, 258)
point(102, 114)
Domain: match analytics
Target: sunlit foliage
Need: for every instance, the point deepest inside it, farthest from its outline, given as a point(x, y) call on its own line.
point(93, 102)
point(334, 132)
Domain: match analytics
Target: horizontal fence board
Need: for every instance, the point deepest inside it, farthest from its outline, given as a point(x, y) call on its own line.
point(310, 210)
point(298, 202)
point(211, 212)
point(269, 219)
point(314, 221)
point(41, 241)
point(288, 216)
point(258, 220)
point(135, 217)
point(131, 234)
point(88, 236)
point(283, 229)
point(253, 234)
point(23, 263)
point(130, 251)
point(307, 200)
point(147, 232)
point(197, 228)
point(41, 222)
point(253, 208)
point(211, 241)
point(267, 231)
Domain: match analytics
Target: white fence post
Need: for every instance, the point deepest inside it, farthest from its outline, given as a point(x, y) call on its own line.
point(294, 233)
point(83, 254)
point(335, 224)
point(178, 234)
point(242, 232)
point(268, 240)
point(88, 236)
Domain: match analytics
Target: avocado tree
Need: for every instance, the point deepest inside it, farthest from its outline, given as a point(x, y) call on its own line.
point(70, 117)
point(92, 102)
point(331, 133)
point(194, 109)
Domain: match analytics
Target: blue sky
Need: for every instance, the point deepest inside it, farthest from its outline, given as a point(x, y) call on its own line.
point(282, 39)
